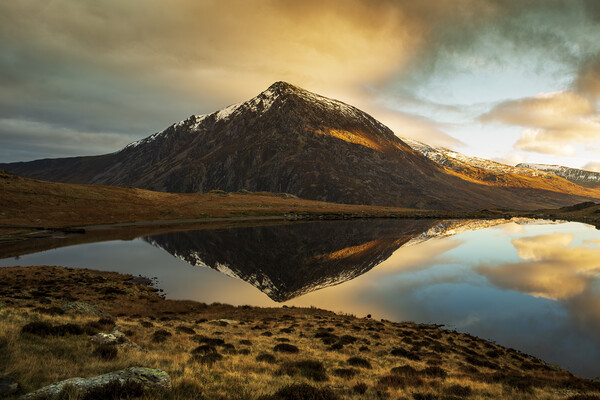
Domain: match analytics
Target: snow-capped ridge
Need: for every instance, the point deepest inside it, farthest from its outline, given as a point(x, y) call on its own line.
point(575, 175)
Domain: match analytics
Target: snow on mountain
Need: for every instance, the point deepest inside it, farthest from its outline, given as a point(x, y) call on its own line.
point(448, 228)
point(578, 176)
point(456, 160)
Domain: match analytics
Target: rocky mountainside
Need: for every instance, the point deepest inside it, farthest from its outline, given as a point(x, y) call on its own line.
point(547, 177)
point(578, 176)
point(287, 261)
point(290, 140)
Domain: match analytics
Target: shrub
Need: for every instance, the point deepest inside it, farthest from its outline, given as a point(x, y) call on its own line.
point(161, 336)
point(204, 349)
point(399, 352)
point(302, 391)
point(68, 329)
point(185, 329)
point(310, 369)
point(424, 396)
point(359, 362)
point(404, 370)
point(229, 348)
point(394, 381)
point(360, 388)
point(435, 372)
point(209, 359)
point(209, 341)
point(459, 390)
point(106, 352)
point(38, 328)
point(346, 373)
point(286, 348)
point(347, 339)
point(266, 357)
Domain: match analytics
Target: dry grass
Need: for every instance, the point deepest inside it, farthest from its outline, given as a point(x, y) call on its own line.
point(428, 362)
point(31, 203)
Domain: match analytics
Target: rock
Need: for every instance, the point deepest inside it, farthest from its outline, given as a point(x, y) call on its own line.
point(7, 386)
point(80, 307)
point(116, 337)
point(226, 321)
point(151, 379)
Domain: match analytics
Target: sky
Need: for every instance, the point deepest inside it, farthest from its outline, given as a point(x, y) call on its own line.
point(514, 81)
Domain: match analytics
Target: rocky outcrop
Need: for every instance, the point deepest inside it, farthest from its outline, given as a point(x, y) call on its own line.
point(150, 379)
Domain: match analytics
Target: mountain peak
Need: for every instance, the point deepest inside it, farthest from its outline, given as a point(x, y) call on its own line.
point(281, 86)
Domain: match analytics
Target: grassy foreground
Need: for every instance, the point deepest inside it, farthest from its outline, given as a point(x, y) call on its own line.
point(223, 352)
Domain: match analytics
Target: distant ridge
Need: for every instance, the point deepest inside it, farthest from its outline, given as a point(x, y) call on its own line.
point(578, 176)
point(290, 140)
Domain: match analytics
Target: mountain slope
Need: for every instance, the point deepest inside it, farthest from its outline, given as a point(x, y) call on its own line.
point(578, 176)
point(523, 175)
point(290, 140)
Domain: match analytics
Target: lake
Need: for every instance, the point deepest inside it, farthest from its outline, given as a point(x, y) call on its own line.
point(529, 285)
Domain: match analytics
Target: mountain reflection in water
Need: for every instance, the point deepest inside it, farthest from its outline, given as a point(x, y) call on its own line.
point(287, 261)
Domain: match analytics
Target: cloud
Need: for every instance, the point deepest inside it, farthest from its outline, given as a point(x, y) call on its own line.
point(535, 140)
point(43, 140)
point(588, 78)
point(592, 166)
point(552, 267)
point(134, 67)
point(554, 121)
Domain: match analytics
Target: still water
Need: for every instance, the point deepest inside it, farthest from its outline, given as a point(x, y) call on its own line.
point(530, 285)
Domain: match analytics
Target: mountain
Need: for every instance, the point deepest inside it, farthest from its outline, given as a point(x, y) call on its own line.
point(290, 140)
point(578, 176)
point(524, 175)
point(287, 261)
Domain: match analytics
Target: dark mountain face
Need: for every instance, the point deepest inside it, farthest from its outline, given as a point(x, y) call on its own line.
point(288, 140)
point(287, 261)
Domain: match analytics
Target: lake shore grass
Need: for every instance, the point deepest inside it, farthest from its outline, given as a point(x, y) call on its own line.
point(219, 351)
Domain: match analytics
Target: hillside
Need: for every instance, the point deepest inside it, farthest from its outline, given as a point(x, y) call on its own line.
point(488, 172)
point(290, 140)
point(578, 176)
point(27, 203)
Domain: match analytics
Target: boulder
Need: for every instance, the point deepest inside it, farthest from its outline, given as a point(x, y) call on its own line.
point(115, 337)
point(151, 379)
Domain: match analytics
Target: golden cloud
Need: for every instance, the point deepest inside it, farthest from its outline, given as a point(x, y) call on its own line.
point(554, 121)
point(552, 268)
